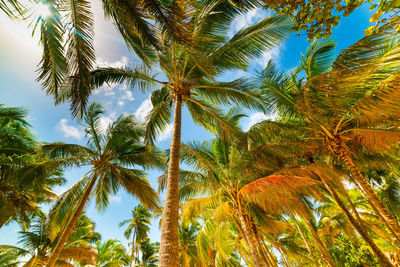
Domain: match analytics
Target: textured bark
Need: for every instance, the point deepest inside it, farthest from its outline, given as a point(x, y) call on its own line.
point(383, 260)
point(169, 247)
point(250, 240)
point(70, 225)
point(306, 243)
point(321, 246)
point(258, 240)
point(343, 152)
point(133, 250)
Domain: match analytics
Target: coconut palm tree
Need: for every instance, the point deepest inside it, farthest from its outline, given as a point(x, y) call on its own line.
point(349, 105)
point(187, 243)
point(138, 227)
point(67, 41)
point(224, 173)
point(110, 253)
point(191, 72)
point(149, 251)
point(26, 175)
point(37, 245)
point(111, 155)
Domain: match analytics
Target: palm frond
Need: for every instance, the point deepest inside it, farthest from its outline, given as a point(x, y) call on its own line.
point(375, 140)
point(241, 92)
point(318, 58)
point(136, 183)
point(65, 206)
point(86, 254)
point(160, 115)
point(251, 42)
point(279, 193)
point(52, 67)
point(80, 53)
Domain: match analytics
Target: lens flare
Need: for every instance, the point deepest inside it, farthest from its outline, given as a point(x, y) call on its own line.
point(42, 10)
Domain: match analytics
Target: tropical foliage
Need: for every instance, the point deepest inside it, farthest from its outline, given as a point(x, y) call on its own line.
point(316, 184)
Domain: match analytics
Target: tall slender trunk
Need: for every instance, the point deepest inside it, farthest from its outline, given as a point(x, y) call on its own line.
point(306, 243)
point(71, 223)
point(383, 260)
point(133, 249)
point(369, 193)
point(321, 246)
point(258, 240)
point(270, 256)
point(250, 240)
point(285, 261)
point(169, 248)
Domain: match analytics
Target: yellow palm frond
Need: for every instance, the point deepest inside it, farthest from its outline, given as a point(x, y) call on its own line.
point(280, 193)
point(194, 207)
point(375, 140)
point(79, 253)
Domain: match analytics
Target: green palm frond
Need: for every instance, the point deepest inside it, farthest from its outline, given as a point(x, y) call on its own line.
point(80, 54)
point(278, 89)
point(318, 58)
point(210, 117)
point(16, 114)
point(160, 115)
point(239, 92)
point(139, 76)
point(53, 67)
point(62, 210)
point(132, 21)
point(249, 43)
point(136, 183)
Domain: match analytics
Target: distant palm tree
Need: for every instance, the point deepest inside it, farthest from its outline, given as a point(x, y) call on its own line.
point(138, 227)
point(149, 254)
point(111, 154)
point(37, 245)
point(110, 253)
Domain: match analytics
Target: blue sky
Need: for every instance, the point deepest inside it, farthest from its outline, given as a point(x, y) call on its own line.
point(20, 54)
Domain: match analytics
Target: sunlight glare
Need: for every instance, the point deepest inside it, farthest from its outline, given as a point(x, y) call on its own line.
point(43, 10)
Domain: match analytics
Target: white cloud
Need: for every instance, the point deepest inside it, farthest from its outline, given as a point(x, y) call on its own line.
point(166, 134)
point(271, 54)
point(115, 199)
point(108, 88)
point(101, 62)
point(121, 103)
point(69, 130)
point(258, 117)
point(247, 19)
point(104, 122)
point(143, 110)
point(127, 96)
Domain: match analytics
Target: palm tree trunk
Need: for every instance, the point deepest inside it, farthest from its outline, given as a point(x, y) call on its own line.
point(321, 246)
point(71, 223)
point(369, 193)
point(270, 256)
point(133, 250)
point(258, 240)
point(383, 260)
point(169, 248)
point(306, 243)
point(250, 240)
point(285, 261)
